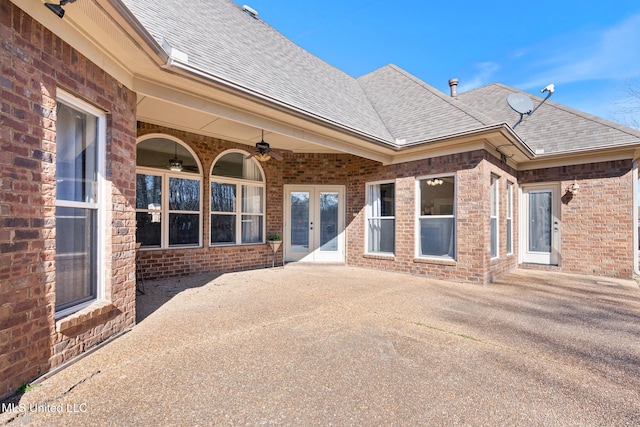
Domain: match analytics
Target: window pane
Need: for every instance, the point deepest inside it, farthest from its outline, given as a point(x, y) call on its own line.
point(76, 155)
point(436, 196)
point(540, 221)
point(251, 228)
point(381, 235)
point(156, 153)
point(437, 237)
point(76, 259)
point(223, 229)
point(148, 229)
point(494, 237)
point(329, 221)
point(234, 165)
point(148, 191)
point(184, 194)
point(387, 200)
point(251, 199)
point(184, 229)
point(509, 236)
point(223, 197)
point(299, 221)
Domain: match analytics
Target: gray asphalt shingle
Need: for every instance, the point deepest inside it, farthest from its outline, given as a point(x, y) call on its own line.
point(388, 104)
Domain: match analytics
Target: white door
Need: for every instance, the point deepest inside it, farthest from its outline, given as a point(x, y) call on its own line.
point(541, 225)
point(314, 223)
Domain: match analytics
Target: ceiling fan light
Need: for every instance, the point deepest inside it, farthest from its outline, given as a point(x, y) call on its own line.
point(175, 165)
point(262, 157)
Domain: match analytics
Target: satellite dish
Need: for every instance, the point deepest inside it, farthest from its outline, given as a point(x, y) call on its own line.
point(520, 103)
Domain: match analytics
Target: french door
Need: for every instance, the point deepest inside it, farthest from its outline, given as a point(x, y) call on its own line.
point(314, 223)
point(541, 225)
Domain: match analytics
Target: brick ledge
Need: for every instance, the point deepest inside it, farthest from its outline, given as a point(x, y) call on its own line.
point(92, 311)
point(435, 261)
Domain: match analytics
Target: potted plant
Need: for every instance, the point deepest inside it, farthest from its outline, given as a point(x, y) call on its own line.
point(274, 240)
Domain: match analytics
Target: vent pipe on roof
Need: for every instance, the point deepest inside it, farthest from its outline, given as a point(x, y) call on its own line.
point(453, 85)
point(250, 11)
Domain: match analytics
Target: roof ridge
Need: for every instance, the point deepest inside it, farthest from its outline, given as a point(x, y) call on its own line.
point(453, 101)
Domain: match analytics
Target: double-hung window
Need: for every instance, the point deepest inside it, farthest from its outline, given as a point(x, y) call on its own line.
point(168, 195)
point(381, 218)
point(436, 217)
point(237, 200)
point(509, 218)
point(493, 201)
point(80, 162)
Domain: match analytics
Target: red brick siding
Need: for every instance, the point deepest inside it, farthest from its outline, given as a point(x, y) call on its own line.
point(597, 223)
point(34, 63)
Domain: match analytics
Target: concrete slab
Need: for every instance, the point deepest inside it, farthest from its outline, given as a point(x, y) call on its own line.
point(330, 345)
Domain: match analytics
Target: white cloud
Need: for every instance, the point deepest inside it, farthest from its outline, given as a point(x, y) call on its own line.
point(483, 75)
point(612, 54)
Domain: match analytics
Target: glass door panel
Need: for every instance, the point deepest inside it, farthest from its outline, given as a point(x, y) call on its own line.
point(314, 225)
point(299, 221)
point(329, 221)
point(541, 225)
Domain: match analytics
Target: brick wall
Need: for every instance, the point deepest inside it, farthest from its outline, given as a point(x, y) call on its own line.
point(597, 223)
point(472, 171)
point(34, 64)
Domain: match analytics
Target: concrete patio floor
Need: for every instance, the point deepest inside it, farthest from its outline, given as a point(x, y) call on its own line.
point(330, 345)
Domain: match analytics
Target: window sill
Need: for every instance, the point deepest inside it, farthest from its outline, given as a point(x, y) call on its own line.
point(390, 257)
point(438, 261)
point(79, 318)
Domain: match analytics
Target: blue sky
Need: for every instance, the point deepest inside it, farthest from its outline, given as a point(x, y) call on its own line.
point(590, 49)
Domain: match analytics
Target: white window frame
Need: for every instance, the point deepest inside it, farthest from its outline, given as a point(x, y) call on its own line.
point(164, 210)
point(99, 205)
point(238, 182)
point(509, 222)
point(369, 216)
point(419, 216)
point(494, 216)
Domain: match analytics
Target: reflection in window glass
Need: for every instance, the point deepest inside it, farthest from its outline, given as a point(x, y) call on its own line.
point(381, 218)
point(168, 202)
point(328, 222)
point(231, 222)
point(437, 217)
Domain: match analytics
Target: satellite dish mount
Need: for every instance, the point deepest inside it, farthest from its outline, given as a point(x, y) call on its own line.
point(523, 105)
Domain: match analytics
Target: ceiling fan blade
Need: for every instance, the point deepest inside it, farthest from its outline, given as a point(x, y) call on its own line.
point(275, 155)
point(250, 156)
point(282, 151)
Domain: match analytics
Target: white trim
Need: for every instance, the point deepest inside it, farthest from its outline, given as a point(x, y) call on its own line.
point(636, 220)
point(495, 183)
point(509, 218)
point(165, 176)
point(239, 182)
point(100, 205)
point(368, 216)
point(417, 229)
point(553, 257)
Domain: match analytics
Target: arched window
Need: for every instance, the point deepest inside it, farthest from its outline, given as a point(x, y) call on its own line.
point(237, 200)
point(168, 194)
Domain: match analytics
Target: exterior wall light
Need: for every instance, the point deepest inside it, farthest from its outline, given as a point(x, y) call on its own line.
point(57, 8)
point(573, 188)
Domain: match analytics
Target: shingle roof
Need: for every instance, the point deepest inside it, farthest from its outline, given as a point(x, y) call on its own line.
point(219, 37)
point(387, 104)
point(553, 128)
point(414, 111)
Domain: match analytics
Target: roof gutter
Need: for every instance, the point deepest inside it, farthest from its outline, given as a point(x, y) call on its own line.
point(504, 129)
point(173, 60)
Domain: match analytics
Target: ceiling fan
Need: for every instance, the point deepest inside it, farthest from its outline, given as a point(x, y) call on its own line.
point(264, 151)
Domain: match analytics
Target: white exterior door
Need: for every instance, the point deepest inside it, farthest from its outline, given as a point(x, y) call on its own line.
point(541, 225)
point(314, 223)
